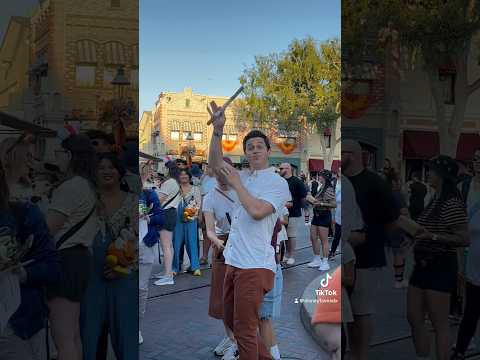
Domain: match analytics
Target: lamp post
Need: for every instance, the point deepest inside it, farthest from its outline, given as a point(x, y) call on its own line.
point(120, 83)
point(191, 149)
point(120, 108)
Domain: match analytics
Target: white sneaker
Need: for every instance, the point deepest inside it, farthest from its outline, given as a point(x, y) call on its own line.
point(324, 266)
point(159, 276)
point(231, 353)
point(224, 345)
point(315, 263)
point(290, 261)
point(168, 280)
point(140, 338)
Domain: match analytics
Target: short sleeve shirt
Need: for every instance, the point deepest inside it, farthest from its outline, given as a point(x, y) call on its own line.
point(207, 184)
point(452, 213)
point(298, 192)
point(249, 245)
point(220, 203)
point(75, 198)
point(170, 188)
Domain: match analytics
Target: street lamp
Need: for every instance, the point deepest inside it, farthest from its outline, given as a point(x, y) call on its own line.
point(191, 149)
point(120, 83)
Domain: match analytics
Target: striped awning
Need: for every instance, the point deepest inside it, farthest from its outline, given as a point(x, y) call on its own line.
point(135, 55)
point(86, 51)
point(115, 54)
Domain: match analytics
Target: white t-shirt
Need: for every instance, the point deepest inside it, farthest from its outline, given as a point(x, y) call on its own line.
point(207, 184)
point(75, 199)
point(338, 199)
point(218, 204)
point(249, 245)
point(170, 188)
point(282, 235)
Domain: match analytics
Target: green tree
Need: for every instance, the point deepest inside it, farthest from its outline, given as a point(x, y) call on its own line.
point(295, 91)
point(429, 34)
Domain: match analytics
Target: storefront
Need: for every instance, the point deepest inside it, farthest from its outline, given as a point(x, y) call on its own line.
point(420, 146)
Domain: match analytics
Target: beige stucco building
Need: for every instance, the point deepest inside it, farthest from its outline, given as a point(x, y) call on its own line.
point(63, 59)
point(164, 131)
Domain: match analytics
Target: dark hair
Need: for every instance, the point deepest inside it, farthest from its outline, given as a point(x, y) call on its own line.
point(173, 172)
point(256, 134)
point(113, 158)
point(449, 191)
point(185, 171)
point(83, 161)
point(326, 185)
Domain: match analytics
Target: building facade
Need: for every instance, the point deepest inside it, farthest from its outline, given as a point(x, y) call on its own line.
point(178, 123)
point(392, 113)
point(70, 52)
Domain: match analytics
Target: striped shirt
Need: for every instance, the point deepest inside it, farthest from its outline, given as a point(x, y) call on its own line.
point(452, 214)
point(327, 196)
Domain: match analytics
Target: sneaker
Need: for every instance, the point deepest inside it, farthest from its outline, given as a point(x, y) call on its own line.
point(324, 266)
point(161, 276)
point(140, 338)
point(315, 263)
point(197, 273)
point(231, 353)
point(224, 345)
point(168, 280)
point(290, 261)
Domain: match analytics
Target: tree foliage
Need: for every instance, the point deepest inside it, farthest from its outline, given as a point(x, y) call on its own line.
point(296, 89)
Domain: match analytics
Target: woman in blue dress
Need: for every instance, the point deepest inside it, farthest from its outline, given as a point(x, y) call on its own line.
point(111, 299)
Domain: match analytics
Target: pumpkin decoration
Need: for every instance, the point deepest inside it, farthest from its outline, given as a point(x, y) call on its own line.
point(287, 147)
point(229, 145)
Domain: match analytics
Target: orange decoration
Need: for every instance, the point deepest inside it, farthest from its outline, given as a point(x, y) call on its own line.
point(229, 145)
point(287, 148)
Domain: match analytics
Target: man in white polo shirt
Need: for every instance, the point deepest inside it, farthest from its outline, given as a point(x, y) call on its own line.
point(249, 254)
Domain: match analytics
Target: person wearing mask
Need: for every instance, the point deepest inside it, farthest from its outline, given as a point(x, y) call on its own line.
point(208, 182)
point(323, 204)
point(112, 295)
point(376, 203)
point(217, 208)
point(170, 197)
point(470, 190)
point(444, 222)
point(186, 229)
point(151, 212)
point(36, 264)
point(73, 221)
point(249, 254)
point(296, 222)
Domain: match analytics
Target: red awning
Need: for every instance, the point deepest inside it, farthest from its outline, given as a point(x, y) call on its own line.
point(315, 164)
point(425, 145)
point(467, 145)
point(420, 144)
point(335, 166)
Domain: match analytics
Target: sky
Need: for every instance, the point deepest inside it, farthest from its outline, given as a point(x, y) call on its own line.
point(206, 45)
point(14, 8)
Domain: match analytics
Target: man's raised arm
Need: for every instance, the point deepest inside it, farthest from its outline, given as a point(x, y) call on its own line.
point(215, 155)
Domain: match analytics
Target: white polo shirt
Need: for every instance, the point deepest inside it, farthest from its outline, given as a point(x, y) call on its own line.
point(249, 244)
point(220, 203)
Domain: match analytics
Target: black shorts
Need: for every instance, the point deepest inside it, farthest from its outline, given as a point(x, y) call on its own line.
point(170, 219)
point(437, 273)
point(322, 218)
point(77, 263)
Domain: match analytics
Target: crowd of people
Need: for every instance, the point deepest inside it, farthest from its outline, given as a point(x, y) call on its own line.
point(69, 248)
point(433, 223)
point(249, 218)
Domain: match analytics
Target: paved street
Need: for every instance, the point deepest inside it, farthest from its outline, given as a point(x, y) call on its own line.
point(178, 326)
